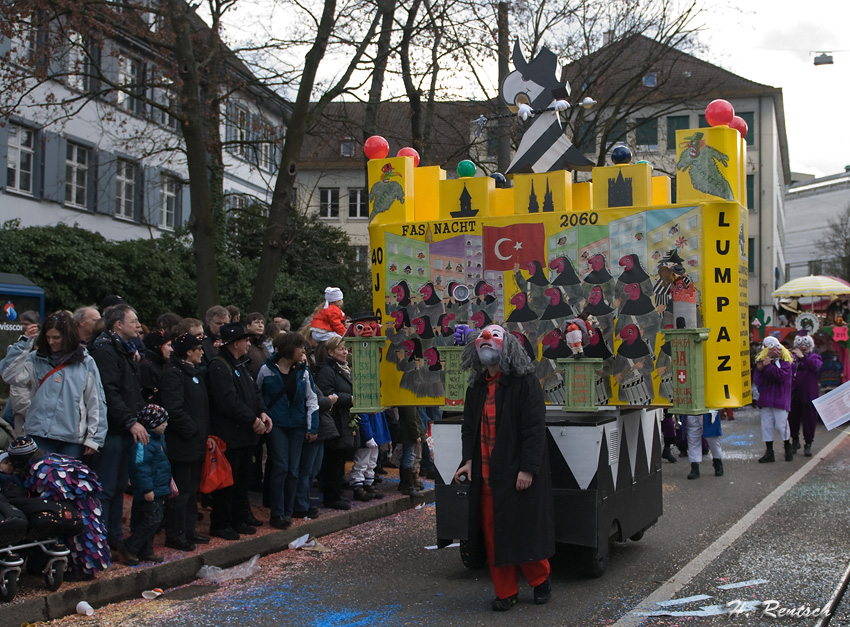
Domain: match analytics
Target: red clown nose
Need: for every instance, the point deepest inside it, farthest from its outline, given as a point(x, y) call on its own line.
point(486, 335)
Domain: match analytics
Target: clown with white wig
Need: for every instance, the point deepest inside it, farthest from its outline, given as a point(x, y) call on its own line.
point(511, 513)
point(773, 378)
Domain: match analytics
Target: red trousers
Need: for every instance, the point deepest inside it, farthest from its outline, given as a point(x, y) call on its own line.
point(505, 577)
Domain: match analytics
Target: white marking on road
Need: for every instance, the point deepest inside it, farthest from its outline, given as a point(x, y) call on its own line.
point(742, 584)
point(697, 597)
point(693, 568)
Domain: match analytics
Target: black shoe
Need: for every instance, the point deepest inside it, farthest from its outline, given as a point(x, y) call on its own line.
point(694, 474)
point(179, 543)
point(126, 556)
point(768, 457)
point(310, 513)
point(226, 534)
point(360, 494)
point(807, 450)
point(156, 559)
point(377, 479)
point(198, 538)
point(543, 592)
point(280, 522)
point(371, 490)
point(718, 467)
point(668, 455)
point(503, 605)
point(796, 444)
point(380, 471)
point(789, 452)
point(683, 452)
point(340, 504)
point(244, 529)
point(252, 520)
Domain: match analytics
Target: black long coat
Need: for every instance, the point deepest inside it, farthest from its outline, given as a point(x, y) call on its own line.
point(235, 401)
point(183, 394)
point(331, 379)
point(523, 522)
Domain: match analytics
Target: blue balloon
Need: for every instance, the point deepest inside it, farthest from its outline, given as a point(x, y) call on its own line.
point(621, 154)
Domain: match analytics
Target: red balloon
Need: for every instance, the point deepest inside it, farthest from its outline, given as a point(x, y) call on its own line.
point(740, 125)
point(376, 147)
point(407, 151)
point(719, 113)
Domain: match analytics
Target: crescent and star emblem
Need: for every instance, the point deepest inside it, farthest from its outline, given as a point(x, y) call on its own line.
point(517, 246)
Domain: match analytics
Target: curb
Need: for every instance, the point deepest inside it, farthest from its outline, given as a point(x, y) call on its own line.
point(181, 571)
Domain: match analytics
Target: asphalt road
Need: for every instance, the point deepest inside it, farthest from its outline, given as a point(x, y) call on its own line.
point(773, 532)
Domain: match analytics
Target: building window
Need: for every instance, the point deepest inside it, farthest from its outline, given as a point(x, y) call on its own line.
point(125, 206)
point(243, 131)
point(20, 158)
point(751, 255)
point(618, 133)
point(76, 175)
point(751, 192)
point(347, 148)
point(361, 255)
point(131, 77)
point(646, 134)
point(650, 79)
point(77, 63)
point(265, 156)
point(329, 202)
point(23, 41)
point(169, 190)
point(676, 123)
point(358, 203)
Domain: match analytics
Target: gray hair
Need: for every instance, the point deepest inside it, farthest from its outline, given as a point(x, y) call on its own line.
point(80, 313)
point(514, 360)
point(216, 311)
point(114, 314)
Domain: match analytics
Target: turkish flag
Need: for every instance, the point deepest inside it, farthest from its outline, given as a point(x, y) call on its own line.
point(520, 243)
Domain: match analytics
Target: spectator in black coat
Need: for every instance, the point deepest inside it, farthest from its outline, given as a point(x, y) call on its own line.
point(183, 394)
point(216, 317)
point(334, 377)
point(117, 359)
point(238, 416)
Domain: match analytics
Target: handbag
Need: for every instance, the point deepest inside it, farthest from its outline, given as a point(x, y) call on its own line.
point(216, 472)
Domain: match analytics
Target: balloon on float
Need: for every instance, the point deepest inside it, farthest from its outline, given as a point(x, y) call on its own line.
point(719, 113)
point(407, 151)
point(376, 147)
point(740, 125)
point(501, 181)
point(621, 155)
point(465, 169)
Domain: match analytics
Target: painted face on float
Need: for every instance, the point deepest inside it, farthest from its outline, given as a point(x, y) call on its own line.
point(489, 344)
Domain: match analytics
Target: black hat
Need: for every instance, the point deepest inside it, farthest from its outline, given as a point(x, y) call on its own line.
point(155, 340)
point(109, 301)
point(233, 331)
point(182, 344)
point(152, 416)
point(363, 315)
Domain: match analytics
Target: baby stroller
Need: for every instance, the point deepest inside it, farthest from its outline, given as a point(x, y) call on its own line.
point(30, 529)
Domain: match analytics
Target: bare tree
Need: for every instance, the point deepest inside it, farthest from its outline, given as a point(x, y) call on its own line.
point(834, 246)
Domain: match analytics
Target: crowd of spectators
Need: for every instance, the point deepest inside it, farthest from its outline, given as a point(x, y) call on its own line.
point(137, 405)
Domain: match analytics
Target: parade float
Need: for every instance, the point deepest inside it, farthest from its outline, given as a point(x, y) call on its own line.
point(661, 286)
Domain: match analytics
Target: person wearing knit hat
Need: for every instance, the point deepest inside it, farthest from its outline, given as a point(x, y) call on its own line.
point(150, 476)
point(5, 463)
point(23, 445)
point(158, 344)
point(329, 319)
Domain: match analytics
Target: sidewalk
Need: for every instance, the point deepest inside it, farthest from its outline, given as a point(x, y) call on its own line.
point(34, 603)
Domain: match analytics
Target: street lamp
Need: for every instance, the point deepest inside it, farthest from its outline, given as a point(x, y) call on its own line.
point(823, 59)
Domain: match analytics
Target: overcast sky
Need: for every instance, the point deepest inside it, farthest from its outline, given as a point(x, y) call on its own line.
point(772, 42)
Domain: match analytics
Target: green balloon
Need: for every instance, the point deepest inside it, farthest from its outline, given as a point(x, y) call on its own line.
point(465, 168)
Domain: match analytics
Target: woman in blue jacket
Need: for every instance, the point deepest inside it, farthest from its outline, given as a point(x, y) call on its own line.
point(67, 412)
point(291, 402)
